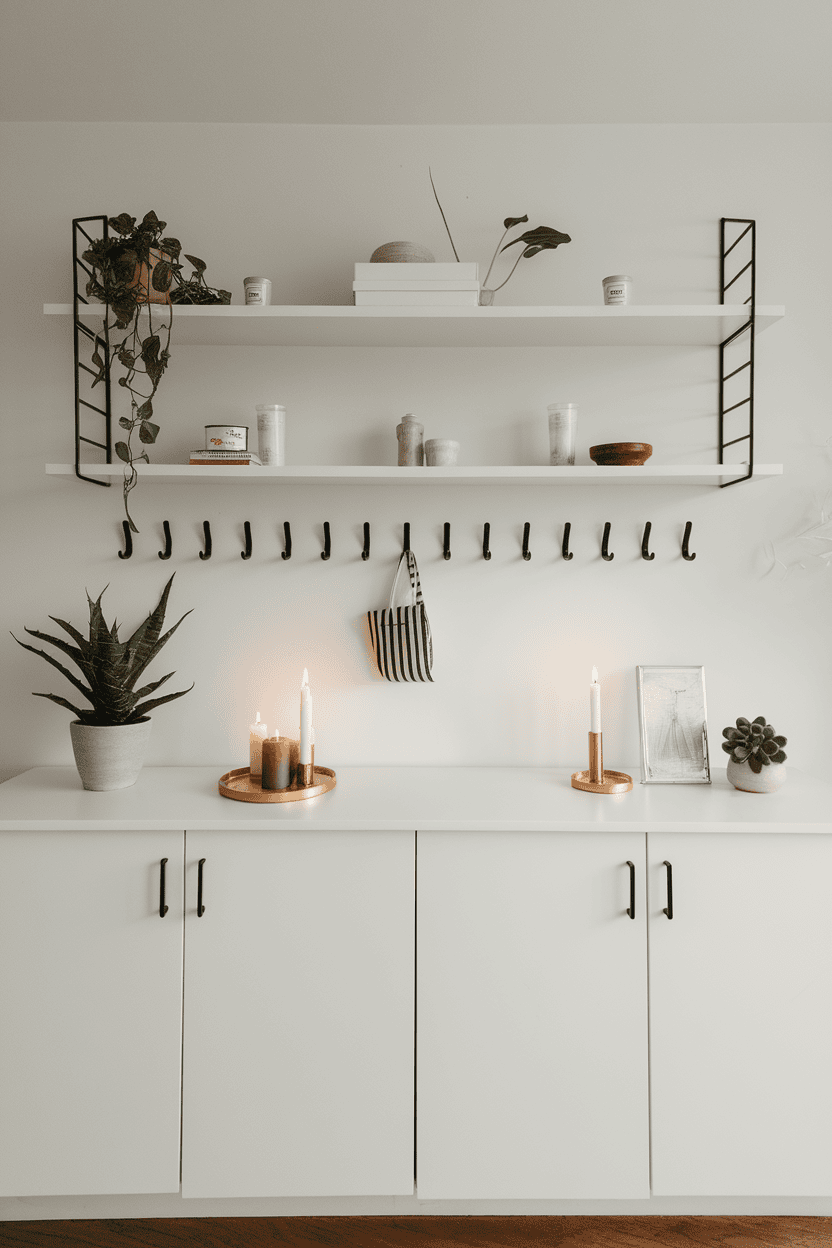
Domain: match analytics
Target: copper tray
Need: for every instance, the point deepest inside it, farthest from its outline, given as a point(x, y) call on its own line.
point(241, 786)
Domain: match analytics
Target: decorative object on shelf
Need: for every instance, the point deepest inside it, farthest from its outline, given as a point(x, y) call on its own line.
point(258, 292)
point(257, 734)
point(400, 635)
point(402, 253)
point(226, 437)
point(543, 238)
point(271, 433)
point(131, 274)
point(595, 779)
point(306, 751)
point(563, 422)
point(241, 786)
point(107, 756)
point(280, 764)
point(623, 454)
point(211, 457)
point(441, 452)
point(416, 285)
point(673, 725)
point(756, 756)
point(410, 434)
point(617, 289)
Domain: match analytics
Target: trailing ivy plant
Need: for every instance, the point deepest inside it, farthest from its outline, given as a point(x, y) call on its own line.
point(121, 267)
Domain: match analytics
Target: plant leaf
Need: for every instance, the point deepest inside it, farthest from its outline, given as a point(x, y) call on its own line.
point(510, 222)
point(171, 246)
point(542, 238)
point(755, 764)
point(122, 224)
point(198, 264)
point(123, 452)
point(73, 680)
point(743, 723)
point(779, 757)
point(54, 697)
point(761, 720)
point(145, 410)
point(148, 432)
point(781, 741)
point(727, 747)
point(162, 274)
point(153, 686)
point(144, 707)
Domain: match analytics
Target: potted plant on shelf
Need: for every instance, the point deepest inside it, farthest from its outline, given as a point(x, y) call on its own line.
point(109, 738)
point(756, 756)
point(136, 271)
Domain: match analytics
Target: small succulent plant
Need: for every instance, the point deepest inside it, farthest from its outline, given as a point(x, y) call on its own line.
point(754, 742)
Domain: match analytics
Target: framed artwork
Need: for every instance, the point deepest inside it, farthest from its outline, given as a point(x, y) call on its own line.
point(673, 725)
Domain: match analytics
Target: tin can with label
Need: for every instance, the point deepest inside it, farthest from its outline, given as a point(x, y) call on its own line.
point(258, 291)
point(617, 289)
point(226, 437)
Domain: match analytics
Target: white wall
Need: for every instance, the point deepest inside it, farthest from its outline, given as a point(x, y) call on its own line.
point(514, 641)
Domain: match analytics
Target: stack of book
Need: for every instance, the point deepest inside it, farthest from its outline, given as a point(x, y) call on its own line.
point(412, 285)
point(210, 456)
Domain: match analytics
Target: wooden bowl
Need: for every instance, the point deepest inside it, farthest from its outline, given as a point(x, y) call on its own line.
point(622, 453)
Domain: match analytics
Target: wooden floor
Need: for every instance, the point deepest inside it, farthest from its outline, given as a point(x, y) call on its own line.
point(423, 1232)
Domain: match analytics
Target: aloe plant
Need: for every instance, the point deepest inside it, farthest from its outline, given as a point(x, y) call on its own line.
point(754, 742)
point(111, 667)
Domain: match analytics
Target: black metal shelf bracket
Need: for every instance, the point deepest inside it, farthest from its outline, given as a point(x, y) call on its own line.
point(748, 271)
point(88, 343)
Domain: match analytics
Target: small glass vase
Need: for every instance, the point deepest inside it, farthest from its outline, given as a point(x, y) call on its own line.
point(486, 298)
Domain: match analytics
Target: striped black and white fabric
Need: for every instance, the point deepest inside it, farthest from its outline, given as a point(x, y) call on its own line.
point(400, 635)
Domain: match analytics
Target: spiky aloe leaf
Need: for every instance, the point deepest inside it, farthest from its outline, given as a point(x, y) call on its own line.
point(53, 697)
point(144, 707)
point(152, 687)
point(73, 680)
point(72, 652)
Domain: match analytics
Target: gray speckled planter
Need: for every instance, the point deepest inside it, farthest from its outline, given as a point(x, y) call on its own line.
point(112, 757)
point(768, 780)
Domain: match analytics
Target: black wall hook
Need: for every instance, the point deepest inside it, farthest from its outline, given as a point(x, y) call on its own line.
point(486, 537)
point(564, 550)
point(287, 535)
point(645, 554)
point(605, 541)
point(128, 542)
point(166, 553)
point(446, 544)
point(527, 528)
point(365, 554)
point(685, 552)
point(406, 538)
point(246, 554)
point(327, 550)
point(206, 529)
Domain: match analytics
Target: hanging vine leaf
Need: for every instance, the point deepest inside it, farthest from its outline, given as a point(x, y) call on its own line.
point(122, 224)
point(123, 452)
point(162, 274)
point(145, 410)
point(198, 264)
point(148, 432)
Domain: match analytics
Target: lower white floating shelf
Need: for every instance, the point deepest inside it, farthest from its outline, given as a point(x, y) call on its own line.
point(310, 474)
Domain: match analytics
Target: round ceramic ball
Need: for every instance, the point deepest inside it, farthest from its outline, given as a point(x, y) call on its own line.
point(402, 253)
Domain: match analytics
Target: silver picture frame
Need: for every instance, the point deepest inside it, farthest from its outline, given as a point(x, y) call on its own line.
point(673, 723)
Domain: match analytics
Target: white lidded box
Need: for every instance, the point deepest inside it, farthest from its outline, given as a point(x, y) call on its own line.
point(226, 437)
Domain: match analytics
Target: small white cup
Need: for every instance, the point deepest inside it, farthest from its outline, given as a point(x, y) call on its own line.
point(441, 452)
point(258, 292)
point(617, 289)
point(563, 420)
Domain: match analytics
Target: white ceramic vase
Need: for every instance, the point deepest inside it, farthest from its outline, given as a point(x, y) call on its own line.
point(769, 779)
point(109, 757)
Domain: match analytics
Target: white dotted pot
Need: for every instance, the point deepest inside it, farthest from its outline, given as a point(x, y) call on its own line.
point(109, 757)
point(769, 779)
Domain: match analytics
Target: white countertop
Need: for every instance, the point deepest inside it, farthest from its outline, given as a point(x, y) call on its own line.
point(420, 798)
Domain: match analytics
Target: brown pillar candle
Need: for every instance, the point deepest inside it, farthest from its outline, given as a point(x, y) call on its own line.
point(278, 771)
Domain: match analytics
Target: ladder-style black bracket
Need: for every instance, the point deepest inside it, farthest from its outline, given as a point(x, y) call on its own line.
point(749, 328)
point(86, 343)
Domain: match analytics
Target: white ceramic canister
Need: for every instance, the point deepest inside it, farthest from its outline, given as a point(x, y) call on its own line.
point(441, 452)
point(618, 288)
point(271, 433)
point(563, 421)
point(226, 437)
point(258, 291)
point(411, 446)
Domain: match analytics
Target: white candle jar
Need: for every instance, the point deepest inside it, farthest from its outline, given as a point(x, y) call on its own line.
point(563, 421)
point(258, 291)
point(271, 433)
point(617, 289)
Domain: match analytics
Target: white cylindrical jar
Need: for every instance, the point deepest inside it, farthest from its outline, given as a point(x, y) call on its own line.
point(226, 437)
point(563, 420)
point(411, 446)
point(271, 433)
point(617, 289)
point(258, 291)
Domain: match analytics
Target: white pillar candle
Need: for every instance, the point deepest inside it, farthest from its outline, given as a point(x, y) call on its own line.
point(305, 721)
point(595, 703)
point(257, 734)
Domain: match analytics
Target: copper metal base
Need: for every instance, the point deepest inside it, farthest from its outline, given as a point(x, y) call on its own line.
point(595, 779)
point(241, 786)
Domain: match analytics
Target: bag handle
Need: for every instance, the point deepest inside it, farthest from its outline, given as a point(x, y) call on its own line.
point(411, 595)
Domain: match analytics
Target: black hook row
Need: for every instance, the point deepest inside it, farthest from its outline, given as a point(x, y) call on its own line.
point(606, 554)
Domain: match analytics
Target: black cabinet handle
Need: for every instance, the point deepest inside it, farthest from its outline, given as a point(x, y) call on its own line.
point(200, 909)
point(162, 907)
point(668, 909)
point(631, 909)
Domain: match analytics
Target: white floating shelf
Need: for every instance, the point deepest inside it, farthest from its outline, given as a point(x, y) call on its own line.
point(308, 474)
point(540, 326)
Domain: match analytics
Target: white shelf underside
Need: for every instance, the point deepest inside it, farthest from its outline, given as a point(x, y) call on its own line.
point(649, 474)
point(539, 326)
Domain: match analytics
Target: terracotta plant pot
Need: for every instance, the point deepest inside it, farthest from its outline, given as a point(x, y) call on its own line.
point(143, 278)
point(109, 757)
point(768, 780)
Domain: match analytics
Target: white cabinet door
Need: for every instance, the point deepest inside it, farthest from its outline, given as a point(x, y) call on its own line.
point(298, 1048)
point(90, 1012)
point(531, 1016)
point(741, 1014)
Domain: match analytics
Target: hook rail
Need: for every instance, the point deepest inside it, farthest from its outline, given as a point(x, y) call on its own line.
point(446, 543)
point(685, 552)
point(128, 541)
point(166, 553)
point(605, 542)
point(527, 528)
point(327, 550)
point(206, 529)
point(486, 538)
point(365, 554)
point(246, 554)
point(564, 550)
point(287, 541)
point(645, 553)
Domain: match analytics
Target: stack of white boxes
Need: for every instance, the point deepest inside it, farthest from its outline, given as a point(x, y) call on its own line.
point(417, 285)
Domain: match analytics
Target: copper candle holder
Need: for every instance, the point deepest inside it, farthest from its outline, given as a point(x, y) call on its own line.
point(595, 779)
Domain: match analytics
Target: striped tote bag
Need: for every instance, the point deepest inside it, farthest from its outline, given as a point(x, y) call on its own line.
point(400, 635)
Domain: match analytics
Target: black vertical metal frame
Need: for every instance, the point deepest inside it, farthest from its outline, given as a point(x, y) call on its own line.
point(749, 328)
point(85, 342)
